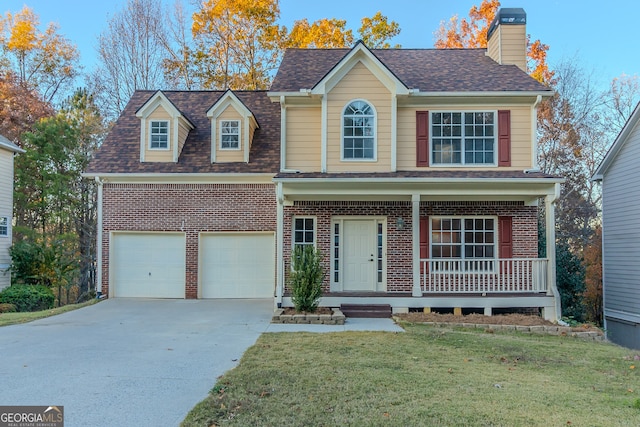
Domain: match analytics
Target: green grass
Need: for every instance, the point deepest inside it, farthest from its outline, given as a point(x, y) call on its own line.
point(425, 377)
point(15, 318)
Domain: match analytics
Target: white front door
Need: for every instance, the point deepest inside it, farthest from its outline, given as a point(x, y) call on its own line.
point(359, 255)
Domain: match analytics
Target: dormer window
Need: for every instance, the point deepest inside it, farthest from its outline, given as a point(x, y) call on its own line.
point(230, 134)
point(358, 132)
point(159, 135)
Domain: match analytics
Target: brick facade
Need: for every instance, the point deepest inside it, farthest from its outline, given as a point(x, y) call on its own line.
point(399, 272)
point(188, 208)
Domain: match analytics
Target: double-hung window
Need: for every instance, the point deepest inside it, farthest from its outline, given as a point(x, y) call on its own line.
point(159, 135)
point(4, 226)
point(304, 231)
point(230, 134)
point(468, 239)
point(358, 132)
point(463, 138)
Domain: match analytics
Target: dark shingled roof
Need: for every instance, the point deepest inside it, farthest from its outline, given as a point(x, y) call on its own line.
point(120, 152)
point(429, 70)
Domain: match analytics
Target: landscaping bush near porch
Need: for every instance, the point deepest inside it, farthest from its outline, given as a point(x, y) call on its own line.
point(426, 377)
point(306, 278)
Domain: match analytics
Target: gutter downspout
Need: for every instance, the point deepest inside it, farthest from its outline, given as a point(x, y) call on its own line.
point(279, 245)
point(534, 133)
point(550, 217)
point(99, 240)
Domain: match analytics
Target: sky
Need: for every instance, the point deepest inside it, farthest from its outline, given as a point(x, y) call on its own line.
point(601, 36)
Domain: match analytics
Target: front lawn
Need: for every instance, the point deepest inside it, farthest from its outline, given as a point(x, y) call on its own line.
point(24, 317)
point(426, 377)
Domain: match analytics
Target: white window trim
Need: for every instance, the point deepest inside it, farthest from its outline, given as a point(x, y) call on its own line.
point(496, 237)
point(375, 133)
point(239, 147)
point(168, 147)
point(293, 230)
point(8, 220)
point(465, 165)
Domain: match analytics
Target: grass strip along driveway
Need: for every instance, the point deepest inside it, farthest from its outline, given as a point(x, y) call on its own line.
point(427, 376)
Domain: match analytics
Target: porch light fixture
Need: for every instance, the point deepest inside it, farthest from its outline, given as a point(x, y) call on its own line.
point(400, 223)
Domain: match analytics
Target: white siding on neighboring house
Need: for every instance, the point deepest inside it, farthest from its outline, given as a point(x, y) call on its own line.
point(6, 210)
point(621, 219)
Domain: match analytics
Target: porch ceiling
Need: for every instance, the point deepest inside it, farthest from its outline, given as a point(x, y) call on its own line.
point(393, 188)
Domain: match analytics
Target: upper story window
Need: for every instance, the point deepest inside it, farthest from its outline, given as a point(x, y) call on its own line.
point(159, 139)
point(358, 132)
point(230, 135)
point(4, 226)
point(463, 138)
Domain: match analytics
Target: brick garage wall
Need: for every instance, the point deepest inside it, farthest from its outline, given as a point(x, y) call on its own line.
point(399, 247)
point(188, 208)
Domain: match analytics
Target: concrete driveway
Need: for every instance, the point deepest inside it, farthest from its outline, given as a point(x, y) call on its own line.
point(128, 362)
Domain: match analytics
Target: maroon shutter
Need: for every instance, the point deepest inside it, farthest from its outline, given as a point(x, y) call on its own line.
point(504, 138)
point(424, 239)
point(422, 138)
point(506, 236)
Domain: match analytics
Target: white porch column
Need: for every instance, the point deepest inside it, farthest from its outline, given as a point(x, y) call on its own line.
point(415, 240)
point(99, 240)
point(279, 245)
point(550, 217)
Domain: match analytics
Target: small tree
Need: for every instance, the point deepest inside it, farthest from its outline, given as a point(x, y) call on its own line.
point(306, 278)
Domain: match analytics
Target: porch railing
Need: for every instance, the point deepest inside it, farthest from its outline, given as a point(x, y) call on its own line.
point(507, 275)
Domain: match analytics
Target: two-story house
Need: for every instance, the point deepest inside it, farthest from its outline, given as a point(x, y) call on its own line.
point(413, 171)
point(7, 151)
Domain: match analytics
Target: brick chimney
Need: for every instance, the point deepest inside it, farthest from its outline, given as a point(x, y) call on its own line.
point(507, 38)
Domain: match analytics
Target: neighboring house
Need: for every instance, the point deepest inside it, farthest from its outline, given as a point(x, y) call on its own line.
point(412, 171)
point(620, 179)
point(7, 150)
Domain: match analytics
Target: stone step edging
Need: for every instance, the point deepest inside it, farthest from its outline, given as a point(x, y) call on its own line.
point(536, 329)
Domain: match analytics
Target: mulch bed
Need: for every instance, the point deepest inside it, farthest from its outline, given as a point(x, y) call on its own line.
point(319, 310)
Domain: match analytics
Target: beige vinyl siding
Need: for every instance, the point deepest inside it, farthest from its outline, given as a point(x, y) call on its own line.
point(359, 83)
point(158, 155)
point(621, 204)
point(6, 209)
point(252, 131)
point(229, 156)
point(508, 45)
point(520, 134)
point(493, 46)
point(183, 132)
point(303, 135)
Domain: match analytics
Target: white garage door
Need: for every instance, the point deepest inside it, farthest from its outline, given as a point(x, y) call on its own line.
point(237, 265)
point(148, 265)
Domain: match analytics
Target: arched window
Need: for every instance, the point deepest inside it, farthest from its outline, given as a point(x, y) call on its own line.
point(358, 132)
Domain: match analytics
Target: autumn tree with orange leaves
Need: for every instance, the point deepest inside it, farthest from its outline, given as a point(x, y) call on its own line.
point(472, 33)
point(42, 61)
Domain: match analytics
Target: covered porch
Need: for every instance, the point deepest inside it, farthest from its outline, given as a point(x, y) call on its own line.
point(413, 269)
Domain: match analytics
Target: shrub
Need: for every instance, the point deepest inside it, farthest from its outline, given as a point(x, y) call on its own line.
point(306, 278)
point(7, 308)
point(28, 297)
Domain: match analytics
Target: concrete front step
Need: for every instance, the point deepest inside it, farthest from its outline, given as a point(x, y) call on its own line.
point(366, 311)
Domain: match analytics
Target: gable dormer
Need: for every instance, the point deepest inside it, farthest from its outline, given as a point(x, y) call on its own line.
point(163, 130)
point(232, 129)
